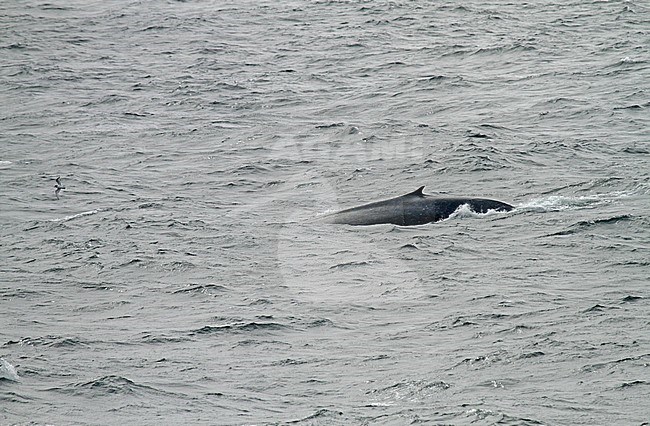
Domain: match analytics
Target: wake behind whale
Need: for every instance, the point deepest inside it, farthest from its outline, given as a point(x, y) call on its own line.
point(415, 208)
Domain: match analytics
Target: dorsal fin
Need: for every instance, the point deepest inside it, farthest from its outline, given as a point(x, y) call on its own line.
point(417, 192)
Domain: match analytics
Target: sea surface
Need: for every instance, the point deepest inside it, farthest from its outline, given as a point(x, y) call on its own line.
point(180, 276)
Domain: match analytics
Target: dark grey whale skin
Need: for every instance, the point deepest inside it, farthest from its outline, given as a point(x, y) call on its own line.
point(414, 208)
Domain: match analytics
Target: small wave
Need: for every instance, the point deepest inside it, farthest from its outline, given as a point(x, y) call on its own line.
point(599, 308)
point(631, 299)
point(323, 322)
point(350, 264)
point(516, 47)
point(163, 340)
point(224, 124)
point(289, 361)
point(136, 114)
point(239, 328)
point(632, 107)
point(628, 60)
point(497, 417)
point(48, 341)
point(635, 149)
point(204, 289)
point(586, 224)
point(624, 65)
point(108, 385)
point(75, 216)
point(322, 415)
point(410, 390)
point(329, 126)
point(638, 359)
point(409, 246)
point(634, 383)
point(528, 355)
point(7, 371)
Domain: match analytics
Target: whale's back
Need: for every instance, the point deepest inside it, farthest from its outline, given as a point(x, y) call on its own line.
point(414, 208)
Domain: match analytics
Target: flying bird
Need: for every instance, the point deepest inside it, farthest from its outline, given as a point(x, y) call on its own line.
point(58, 187)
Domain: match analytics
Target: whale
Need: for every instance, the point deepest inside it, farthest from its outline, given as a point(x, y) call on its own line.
point(414, 208)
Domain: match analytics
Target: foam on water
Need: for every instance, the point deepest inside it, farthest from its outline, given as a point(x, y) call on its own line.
point(75, 216)
point(561, 202)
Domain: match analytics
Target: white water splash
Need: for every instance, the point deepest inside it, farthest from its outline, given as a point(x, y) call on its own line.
point(464, 211)
point(560, 202)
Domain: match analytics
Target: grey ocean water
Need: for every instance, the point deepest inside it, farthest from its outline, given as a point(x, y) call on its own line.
point(179, 279)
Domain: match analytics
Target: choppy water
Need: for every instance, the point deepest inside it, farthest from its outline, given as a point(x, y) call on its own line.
point(179, 280)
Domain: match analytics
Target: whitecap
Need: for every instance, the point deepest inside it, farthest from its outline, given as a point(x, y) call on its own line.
point(7, 371)
point(74, 216)
point(561, 202)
